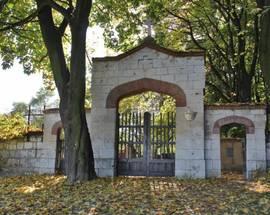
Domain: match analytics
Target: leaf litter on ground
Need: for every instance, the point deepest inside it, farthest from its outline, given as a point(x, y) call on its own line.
point(45, 194)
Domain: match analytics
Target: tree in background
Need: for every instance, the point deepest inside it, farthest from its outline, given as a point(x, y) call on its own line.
point(19, 108)
point(35, 33)
point(264, 5)
point(147, 101)
point(41, 99)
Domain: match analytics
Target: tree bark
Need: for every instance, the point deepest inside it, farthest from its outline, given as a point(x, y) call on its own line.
point(70, 83)
point(265, 41)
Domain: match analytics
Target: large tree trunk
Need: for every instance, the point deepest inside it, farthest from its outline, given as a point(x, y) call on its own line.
point(70, 83)
point(80, 162)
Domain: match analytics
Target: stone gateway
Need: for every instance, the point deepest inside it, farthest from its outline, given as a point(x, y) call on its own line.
point(196, 150)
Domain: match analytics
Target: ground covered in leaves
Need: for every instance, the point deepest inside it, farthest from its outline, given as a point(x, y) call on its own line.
point(53, 195)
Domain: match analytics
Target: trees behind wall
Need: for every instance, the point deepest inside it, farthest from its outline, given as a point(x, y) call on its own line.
point(227, 30)
point(264, 5)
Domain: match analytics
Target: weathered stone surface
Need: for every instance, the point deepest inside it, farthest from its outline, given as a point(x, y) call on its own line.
point(28, 157)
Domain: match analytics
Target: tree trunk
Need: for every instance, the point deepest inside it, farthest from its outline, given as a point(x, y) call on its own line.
point(245, 86)
point(80, 162)
point(265, 45)
point(70, 83)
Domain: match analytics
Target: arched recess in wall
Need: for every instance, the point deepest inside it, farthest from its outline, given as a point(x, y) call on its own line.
point(56, 127)
point(250, 128)
point(142, 85)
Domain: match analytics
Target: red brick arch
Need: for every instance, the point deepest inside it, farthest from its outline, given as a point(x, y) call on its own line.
point(142, 85)
point(55, 127)
point(250, 128)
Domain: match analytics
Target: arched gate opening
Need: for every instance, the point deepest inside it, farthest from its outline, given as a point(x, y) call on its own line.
point(233, 151)
point(145, 139)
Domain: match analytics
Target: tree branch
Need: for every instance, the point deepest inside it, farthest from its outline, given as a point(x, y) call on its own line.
point(218, 89)
point(256, 46)
point(190, 28)
point(20, 22)
point(59, 9)
point(54, 47)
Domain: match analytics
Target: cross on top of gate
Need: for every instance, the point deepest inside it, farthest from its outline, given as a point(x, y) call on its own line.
point(149, 24)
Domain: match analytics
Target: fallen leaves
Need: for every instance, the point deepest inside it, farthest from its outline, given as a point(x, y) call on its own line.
point(159, 196)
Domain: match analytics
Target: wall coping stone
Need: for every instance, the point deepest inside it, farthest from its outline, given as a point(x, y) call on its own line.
point(56, 110)
point(234, 106)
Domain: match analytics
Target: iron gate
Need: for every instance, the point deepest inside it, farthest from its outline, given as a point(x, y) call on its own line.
point(146, 144)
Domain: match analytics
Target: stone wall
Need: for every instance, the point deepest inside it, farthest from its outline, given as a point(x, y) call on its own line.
point(186, 71)
point(254, 119)
point(20, 157)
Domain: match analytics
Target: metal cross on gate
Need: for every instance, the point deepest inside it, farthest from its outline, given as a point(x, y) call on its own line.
point(149, 24)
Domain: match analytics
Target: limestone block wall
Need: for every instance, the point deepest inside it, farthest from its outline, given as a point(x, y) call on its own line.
point(20, 157)
point(187, 72)
point(253, 117)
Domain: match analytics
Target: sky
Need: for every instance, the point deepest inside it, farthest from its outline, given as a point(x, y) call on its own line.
point(15, 86)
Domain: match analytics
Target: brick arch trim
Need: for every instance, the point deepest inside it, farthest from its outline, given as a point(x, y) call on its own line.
point(250, 128)
point(142, 85)
point(55, 127)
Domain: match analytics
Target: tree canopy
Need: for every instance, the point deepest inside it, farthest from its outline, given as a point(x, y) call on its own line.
point(229, 32)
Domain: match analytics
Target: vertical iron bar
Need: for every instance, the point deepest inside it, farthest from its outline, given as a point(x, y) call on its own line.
point(147, 121)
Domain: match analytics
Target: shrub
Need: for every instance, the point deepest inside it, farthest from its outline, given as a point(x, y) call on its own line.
point(12, 126)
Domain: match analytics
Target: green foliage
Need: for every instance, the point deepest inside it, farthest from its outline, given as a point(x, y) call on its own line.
point(147, 101)
point(12, 126)
point(227, 31)
point(233, 130)
point(24, 43)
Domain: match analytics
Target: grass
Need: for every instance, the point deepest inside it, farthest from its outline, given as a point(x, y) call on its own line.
point(43, 194)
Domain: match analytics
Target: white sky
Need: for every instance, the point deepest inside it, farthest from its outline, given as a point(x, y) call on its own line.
point(15, 86)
